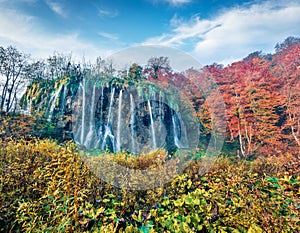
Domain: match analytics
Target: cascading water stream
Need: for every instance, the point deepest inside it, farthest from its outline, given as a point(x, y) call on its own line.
point(160, 104)
point(108, 126)
point(41, 105)
point(83, 113)
point(175, 133)
point(28, 107)
point(63, 102)
point(161, 113)
point(100, 129)
point(184, 137)
point(132, 122)
point(152, 125)
point(53, 102)
point(101, 107)
point(119, 122)
point(110, 110)
point(90, 134)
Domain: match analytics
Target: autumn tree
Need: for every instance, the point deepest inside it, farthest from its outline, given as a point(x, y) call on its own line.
point(157, 66)
point(287, 69)
point(257, 102)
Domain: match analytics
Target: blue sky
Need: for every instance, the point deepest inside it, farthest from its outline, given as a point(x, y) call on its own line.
point(209, 30)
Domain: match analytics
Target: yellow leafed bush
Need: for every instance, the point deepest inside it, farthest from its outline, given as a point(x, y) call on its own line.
point(46, 187)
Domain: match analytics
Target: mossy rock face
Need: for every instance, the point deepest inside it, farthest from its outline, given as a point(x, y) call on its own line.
point(42, 90)
point(58, 101)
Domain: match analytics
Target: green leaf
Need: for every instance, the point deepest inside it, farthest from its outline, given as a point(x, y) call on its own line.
point(144, 229)
point(293, 181)
point(188, 201)
point(272, 179)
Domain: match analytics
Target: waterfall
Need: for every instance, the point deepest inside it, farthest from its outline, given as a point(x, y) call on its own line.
point(119, 122)
point(108, 127)
point(109, 134)
point(28, 107)
point(101, 106)
point(132, 124)
point(63, 102)
point(41, 104)
point(152, 125)
point(160, 103)
point(89, 136)
point(83, 112)
point(110, 110)
point(184, 137)
point(175, 132)
point(109, 115)
point(53, 102)
point(100, 134)
point(161, 114)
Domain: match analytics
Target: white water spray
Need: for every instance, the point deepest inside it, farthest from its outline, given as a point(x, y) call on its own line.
point(132, 124)
point(108, 127)
point(83, 112)
point(152, 125)
point(119, 122)
point(53, 102)
point(90, 134)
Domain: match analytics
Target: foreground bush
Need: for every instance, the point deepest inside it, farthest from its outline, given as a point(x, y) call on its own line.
point(45, 187)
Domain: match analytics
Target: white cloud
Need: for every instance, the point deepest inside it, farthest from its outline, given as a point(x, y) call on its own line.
point(173, 2)
point(25, 33)
point(107, 13)
point(177, 2)
point(108, 35)
point(234, 33)
point(176, 21)
point(57, 8)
